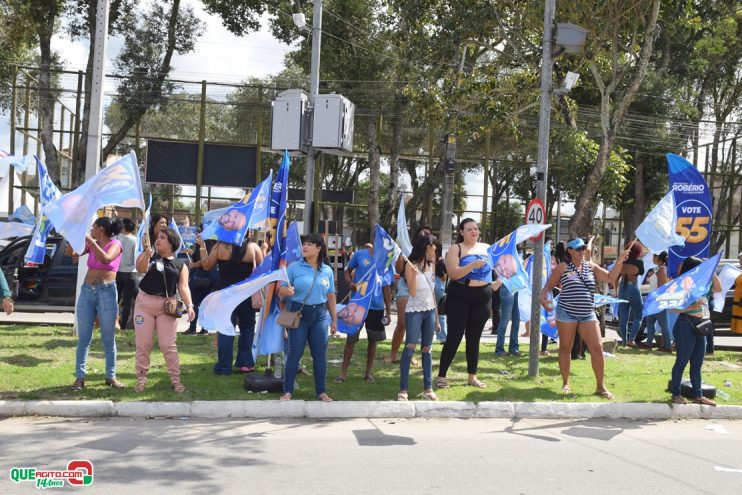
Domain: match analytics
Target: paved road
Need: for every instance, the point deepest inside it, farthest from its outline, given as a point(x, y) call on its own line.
point(177, 456)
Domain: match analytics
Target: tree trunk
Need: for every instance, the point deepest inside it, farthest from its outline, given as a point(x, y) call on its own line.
point(46, 97)
point(640, 197)
point(612, 116)
point(374, 160)
point(396, 149)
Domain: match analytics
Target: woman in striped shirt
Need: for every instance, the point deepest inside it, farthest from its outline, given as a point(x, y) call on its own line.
point(576, 309)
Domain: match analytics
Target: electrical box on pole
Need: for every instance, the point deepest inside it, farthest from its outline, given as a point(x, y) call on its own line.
point(290, 121)
point(332, 123)
point(450, 163)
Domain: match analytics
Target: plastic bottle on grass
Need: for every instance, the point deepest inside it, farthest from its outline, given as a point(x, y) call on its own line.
point(723, 394)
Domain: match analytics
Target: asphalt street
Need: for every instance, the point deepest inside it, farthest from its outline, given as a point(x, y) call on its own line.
point(184, 456)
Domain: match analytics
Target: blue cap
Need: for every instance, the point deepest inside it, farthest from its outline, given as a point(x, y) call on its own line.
point(575, 243)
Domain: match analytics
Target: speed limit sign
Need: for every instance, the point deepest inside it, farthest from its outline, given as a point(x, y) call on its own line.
point(536, 214)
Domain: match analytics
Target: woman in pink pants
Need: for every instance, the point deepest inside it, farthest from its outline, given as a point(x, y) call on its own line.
point(164, 274)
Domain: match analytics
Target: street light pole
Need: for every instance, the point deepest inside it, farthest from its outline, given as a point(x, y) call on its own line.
point(541, 177)
point(313, 92)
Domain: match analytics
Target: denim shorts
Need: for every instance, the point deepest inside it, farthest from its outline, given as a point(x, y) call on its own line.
point(402, 289)
point(563, 316)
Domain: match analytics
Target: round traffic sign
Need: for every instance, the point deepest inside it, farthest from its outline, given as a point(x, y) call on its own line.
point(536, 214)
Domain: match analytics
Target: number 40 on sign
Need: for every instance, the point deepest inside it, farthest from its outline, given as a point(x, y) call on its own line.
point(536, 214)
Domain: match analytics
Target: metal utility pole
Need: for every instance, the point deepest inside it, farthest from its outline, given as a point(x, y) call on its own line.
point(541, 177)
point(449, 168)
point(313, 92)
point(95, 128)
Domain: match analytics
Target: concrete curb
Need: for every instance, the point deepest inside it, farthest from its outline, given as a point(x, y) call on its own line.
point(367, 409)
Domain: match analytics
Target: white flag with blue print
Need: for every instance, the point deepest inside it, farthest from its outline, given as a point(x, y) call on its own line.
point(657, 231)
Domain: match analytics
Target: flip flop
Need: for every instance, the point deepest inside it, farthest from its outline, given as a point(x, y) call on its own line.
point(339, 379)
point(566, 389)
point(605, 394)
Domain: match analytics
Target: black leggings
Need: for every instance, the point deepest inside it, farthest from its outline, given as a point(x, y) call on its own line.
point(467, 310)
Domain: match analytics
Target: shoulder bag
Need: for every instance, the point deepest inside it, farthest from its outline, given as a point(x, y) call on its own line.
point(292, 319)
point(701, 327)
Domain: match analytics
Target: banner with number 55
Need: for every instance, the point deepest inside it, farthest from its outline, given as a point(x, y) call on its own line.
point(693, 204)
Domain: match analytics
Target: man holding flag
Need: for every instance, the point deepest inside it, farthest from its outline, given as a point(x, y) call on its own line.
point(362, 277)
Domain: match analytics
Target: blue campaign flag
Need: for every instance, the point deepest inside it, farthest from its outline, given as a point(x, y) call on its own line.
point(657, 231)
point(602, 300)
point(403, 235)
point(508, 265)
point(181, 244)
point(269, 335)
point(386, 253)
point(249, 213)
point(48, 192)
point(118, 184)
point(293, 244)
point(215, 312)
point(352, 316)
point(694, 211)
point(23, 214)
point(548, 318)
point(684, 290)
point(143, 226)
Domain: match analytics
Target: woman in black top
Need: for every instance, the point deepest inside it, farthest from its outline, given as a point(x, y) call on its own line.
point(629, 290)
point(163, 275)
point(236, 263)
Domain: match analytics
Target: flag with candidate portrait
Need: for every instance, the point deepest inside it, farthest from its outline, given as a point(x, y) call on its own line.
point(352, 315)
point(249, 213)
point(48, 192)
point(386, 252)
point(118, 184)
point(548, 319)
point(507, 263)
point(684, 290)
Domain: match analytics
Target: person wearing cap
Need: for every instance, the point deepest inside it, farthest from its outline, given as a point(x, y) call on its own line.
point(576, 309)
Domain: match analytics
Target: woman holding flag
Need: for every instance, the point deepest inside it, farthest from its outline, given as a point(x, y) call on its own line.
point(311, 291)
point(98, 298)
point(468, 304)
point(236, 263)
point(576, 309)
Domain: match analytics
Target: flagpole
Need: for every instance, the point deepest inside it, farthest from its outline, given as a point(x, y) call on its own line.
point(95, 125)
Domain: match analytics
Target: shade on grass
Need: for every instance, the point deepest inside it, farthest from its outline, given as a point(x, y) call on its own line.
point(38, 363)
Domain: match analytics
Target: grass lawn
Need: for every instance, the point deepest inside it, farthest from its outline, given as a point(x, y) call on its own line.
point(38, 363)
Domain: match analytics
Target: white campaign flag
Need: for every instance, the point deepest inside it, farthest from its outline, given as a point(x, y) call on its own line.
point(215, 312)
point(118, 184)
point(403, 235)
point(727, 276)
point(525, 232)
point(14, 229)
point(657, 231)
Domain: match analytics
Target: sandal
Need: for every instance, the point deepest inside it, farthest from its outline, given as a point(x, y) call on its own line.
point(112, 382)
point(429, 395)
point(402, 396)
point(389, 360)
point(604, 394)
point(286, 396)
point(679, 399)
point(703, 401)
point(324, 397)
point(178, 387)
point(338, 379)
point(369, 378)
point(566, 389)
point(139, 387)
point(476, 383)
point(441, 382)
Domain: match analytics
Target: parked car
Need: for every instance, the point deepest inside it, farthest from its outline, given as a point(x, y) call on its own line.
point(46, 287)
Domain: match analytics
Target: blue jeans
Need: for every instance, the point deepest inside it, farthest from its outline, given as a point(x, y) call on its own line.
point(509, 312)
point(660, 318)
point(629, 291)
point(312, 329)
point(420, 328)
point(244, 316)
point(689, 347)
point(99, 300)
point(441, 336)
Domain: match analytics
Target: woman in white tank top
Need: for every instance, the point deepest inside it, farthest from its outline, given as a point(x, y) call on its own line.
point(421, 315)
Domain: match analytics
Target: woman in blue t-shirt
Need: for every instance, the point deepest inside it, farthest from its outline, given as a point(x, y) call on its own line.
point(310, 290)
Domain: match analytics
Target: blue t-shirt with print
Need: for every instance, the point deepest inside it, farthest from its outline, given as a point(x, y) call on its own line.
point(363, 262)
point(301, 275)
